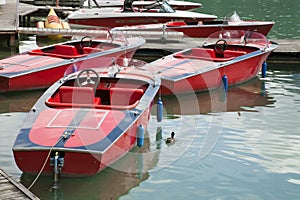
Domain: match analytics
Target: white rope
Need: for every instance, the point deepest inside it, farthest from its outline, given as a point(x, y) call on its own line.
point(40, 172)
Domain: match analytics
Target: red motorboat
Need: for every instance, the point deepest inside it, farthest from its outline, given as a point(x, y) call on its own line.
point(39, 68)
point(158, 12)
point(203, 29)
point(86, 121)
point(226, 58)
point(234, 22)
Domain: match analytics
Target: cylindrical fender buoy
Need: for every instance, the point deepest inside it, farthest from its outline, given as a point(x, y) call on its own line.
point(264, 69)
point(225, 82)
point(159, 110)
point(125, 62)
point(74, 69)
point(140, 135)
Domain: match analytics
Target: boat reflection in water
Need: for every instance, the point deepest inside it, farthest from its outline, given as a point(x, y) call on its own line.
point(111, 183)
point(21, 101)
point(238, 98)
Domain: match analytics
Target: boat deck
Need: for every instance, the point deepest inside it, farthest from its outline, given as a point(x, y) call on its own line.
point(11, 189)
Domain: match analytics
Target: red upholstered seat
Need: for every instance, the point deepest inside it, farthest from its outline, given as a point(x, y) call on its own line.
point(88, 50)
point(125, 96)
point(231, 53)
point(201, 52)
point(78, 95)
point(65, 49)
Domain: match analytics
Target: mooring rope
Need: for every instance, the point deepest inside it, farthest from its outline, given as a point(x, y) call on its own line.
point(41, 170)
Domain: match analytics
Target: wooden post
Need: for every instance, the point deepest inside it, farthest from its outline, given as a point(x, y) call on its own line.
point(12, 40)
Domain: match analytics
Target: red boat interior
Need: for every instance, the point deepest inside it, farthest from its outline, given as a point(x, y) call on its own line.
point(112, 96)
point(72, 50)
point(210, 54)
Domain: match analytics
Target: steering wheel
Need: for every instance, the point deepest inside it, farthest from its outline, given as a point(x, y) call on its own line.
point(91, 78)
point(220, 46)
point(86, 41)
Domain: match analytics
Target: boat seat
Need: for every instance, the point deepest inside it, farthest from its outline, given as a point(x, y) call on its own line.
point(125, 96)
point(176, 23)
point(88, 50)
point(232, 53)
point(78, 95)
point(201, 52)
point(65, 49)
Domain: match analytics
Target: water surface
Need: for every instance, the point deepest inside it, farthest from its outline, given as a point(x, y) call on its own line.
point(285, 14)
point(246, 147)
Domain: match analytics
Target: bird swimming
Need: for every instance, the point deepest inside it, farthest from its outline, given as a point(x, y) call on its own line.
point(171, 139)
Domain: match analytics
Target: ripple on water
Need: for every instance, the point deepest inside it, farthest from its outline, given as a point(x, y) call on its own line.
point(9, 128)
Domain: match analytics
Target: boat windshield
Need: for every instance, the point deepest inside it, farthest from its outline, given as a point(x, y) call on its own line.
point(233, 17)
point(165, 7)
point(161, 6)
point(238, 37)
point(104, 34)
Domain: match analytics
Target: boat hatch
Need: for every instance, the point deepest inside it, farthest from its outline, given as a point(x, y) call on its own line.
point(56, 122)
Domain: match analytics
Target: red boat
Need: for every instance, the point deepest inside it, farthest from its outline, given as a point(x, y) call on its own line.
point(158, 12)
point(86, 121)
point(39, 68)
point(234, 22)
point(203, 29)
point(226, 58)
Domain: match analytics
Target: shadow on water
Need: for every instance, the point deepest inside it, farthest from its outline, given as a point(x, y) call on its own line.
point(18, 101)
point(239, 98)
point(111, 183)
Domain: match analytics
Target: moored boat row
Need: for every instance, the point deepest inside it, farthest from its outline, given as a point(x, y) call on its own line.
point(98, 106)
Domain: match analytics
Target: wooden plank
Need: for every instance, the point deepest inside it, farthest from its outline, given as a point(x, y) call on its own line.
point(11, 189)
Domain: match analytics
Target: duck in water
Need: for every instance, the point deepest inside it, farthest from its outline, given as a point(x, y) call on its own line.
point(171, 139)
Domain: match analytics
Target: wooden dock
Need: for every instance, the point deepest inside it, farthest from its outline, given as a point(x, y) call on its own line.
point(15, 18)
point(11, 189)
point(14, 14)
point(68, 3)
